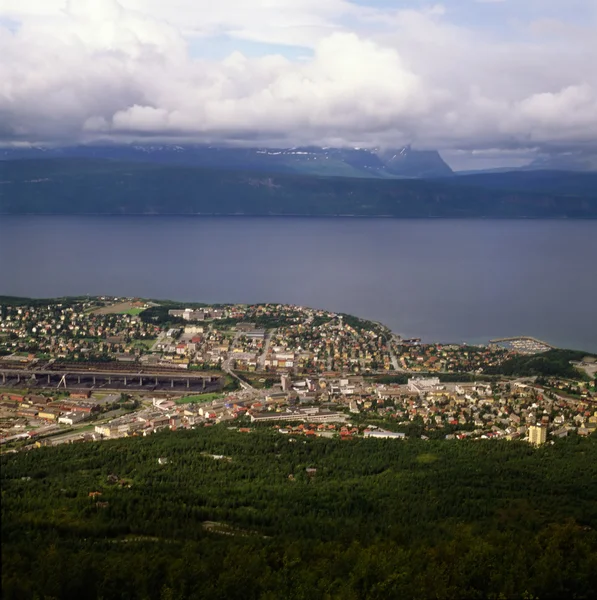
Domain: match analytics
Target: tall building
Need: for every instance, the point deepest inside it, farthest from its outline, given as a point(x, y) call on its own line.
point(285, 381)
point(537, 435)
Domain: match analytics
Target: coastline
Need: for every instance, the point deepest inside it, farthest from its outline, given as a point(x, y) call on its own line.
point(305, 216)
point(18, 300)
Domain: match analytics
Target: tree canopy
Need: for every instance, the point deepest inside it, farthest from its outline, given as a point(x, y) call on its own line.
point(218, 513)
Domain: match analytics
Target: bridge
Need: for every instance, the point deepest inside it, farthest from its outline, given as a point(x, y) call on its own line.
point(110, 380)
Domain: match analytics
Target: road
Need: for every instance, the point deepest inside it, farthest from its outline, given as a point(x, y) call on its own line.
point(263, 355)
point(530, 382)
point(161, 337)
point(227, 368)
point(226, 365)
point(589, 369)
point(243, 384)
point(75, 432)
point(393, 358)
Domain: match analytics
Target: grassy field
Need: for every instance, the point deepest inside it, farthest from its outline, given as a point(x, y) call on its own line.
point(85, 428)
point(199, 398)
point(144, 343)
point(7, 390)
point(132, 311)
point(121, 308)
point(257, 380)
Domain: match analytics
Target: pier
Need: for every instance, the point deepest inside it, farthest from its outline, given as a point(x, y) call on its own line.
point(525, 344)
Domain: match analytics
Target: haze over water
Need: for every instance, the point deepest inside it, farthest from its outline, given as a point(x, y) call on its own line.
point(441, 280)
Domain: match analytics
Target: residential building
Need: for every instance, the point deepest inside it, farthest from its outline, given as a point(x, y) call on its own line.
point(537, 435)
point(379, 433)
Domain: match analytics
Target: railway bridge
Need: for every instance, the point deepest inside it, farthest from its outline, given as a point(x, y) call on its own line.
point(93, 380)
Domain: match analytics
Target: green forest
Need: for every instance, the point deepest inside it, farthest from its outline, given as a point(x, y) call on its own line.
point(218, 513)
point(553, 363)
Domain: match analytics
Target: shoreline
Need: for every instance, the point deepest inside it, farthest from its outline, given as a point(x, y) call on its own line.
point(10, 299)
point(302, 216)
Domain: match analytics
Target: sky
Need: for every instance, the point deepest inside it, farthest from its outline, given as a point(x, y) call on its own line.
point(486, 82)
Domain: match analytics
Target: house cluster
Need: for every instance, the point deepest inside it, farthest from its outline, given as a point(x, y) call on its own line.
point(70, 330)
point(312, 414)
point(455, 410)
point(209, 346)
point(430, 358)
point(267, 315)
point(199, 314)
point(274, 338)
point(39, 413)
point(347, 406)
point(580, 390)
point(270, 337)
point(332, 345)
point(309, 421)
point(496, 410)
point(277, 315)
point(166, 414)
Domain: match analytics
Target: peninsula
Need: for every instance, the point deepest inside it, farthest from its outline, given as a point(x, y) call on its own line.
point(277, 451)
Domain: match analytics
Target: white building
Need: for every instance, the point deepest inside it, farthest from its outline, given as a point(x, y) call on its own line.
point(420, 385)
point(380, 433)
point(71, 418)
point(193, 329)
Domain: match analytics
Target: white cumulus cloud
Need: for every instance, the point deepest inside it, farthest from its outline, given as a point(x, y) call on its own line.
point(98, 69)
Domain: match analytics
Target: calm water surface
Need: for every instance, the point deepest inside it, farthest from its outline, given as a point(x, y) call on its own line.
point(447, 280)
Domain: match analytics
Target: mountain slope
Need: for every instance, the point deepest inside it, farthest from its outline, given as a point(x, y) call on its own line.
point(406, 162)
point(68, 186)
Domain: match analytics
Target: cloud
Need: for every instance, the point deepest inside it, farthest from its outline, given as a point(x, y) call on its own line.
point(98, 69)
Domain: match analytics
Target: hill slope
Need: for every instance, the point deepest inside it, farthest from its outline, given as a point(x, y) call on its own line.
point(562, 183)
point(376, 519)
point(77, 186)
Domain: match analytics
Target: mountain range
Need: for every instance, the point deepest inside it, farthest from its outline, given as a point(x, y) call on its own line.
point(392, 163)
point(311, 160)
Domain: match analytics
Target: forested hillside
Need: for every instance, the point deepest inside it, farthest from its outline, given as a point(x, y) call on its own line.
point(565, 183)
point(85, 186)
point(227, 514)
point(553, 363)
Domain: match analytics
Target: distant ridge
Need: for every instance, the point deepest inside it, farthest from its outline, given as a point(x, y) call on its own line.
point(564, 183)
point(92, 186)
point(580, 162)
point(565, 161)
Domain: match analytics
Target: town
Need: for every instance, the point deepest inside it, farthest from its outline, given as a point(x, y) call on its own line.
point(89, 369)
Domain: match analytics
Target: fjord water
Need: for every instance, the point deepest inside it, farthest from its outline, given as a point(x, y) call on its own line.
point(441, 280)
